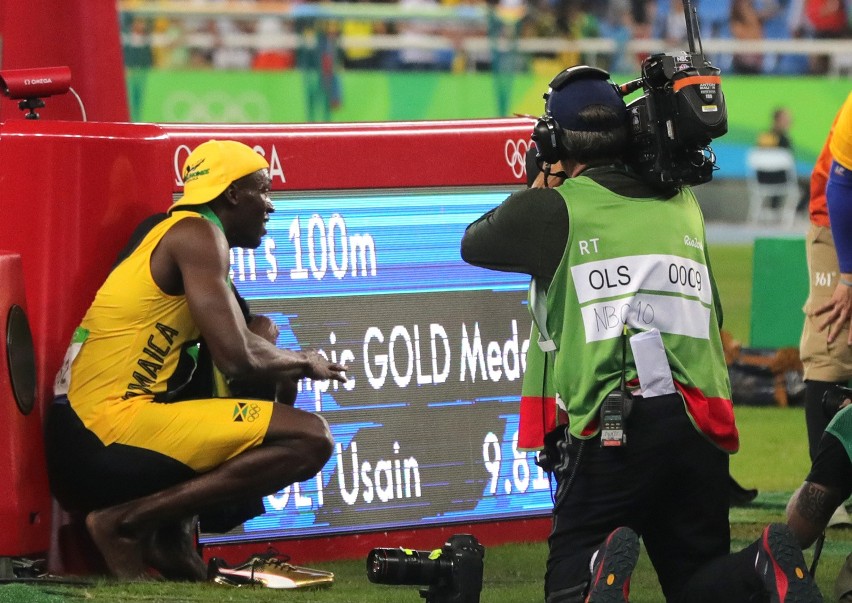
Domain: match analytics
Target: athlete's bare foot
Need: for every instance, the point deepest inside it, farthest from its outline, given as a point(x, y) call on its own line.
point(171, 551)
point(122, 554)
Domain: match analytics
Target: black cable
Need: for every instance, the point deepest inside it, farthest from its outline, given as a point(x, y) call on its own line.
point(817, 552)
point(624, 361)
point(561, 496)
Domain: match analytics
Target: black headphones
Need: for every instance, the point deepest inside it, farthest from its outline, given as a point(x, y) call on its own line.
point(550, 141)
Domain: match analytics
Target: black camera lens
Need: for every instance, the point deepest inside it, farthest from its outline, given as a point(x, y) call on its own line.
point(834, 398)
point(407, 566)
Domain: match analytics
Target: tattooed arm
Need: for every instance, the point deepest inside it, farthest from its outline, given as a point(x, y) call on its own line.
point(827, 485)
point(809, 510)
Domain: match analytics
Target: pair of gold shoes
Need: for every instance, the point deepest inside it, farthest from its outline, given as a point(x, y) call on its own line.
point(267, 570)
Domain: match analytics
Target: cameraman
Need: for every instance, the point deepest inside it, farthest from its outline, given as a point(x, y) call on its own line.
point(602, 245)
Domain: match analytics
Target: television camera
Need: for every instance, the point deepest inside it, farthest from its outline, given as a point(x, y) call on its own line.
point(681, 110)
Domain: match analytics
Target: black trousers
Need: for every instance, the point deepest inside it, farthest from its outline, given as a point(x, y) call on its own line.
point(816, 417)
point(669, 484)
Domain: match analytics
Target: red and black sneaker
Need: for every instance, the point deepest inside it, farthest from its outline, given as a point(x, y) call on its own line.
point(612, 567)
point(782, 567)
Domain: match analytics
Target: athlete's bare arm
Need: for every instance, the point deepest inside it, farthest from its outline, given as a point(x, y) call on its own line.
point(193, 258)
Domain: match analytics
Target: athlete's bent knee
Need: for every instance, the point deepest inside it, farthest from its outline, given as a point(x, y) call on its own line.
point(319, 444)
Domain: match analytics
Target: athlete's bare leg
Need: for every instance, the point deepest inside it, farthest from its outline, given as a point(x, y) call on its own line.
point(172, 552)
point(296, 446)
point(122, 553)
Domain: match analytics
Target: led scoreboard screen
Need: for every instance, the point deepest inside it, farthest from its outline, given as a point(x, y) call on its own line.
point(425, 428)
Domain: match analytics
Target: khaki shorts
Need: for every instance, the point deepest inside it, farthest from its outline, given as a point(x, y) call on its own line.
point(164, 445)
point(822, 361)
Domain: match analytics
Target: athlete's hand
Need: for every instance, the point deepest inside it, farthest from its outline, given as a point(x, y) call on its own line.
point(837, 312)
point(263, 326)
point(320, 369)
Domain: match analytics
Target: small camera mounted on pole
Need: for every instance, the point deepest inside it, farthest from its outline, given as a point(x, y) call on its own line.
point(32, 86)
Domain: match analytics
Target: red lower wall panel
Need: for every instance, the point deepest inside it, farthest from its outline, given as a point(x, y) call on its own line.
point(356, 546)
point(24, 497)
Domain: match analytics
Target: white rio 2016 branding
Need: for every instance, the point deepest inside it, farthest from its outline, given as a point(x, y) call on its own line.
point(669, 292)
point(693, 242)
point(516, 153)
point(276, 171)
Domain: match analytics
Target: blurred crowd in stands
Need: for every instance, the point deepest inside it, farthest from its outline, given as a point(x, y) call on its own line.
point(260, 39)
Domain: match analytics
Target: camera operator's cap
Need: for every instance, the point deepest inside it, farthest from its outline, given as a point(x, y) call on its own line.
point(212, 166)
point(579, 87)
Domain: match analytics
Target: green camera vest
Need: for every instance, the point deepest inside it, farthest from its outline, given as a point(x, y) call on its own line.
point(639, 262)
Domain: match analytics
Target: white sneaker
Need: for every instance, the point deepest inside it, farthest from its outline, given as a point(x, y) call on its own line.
point(840, 517)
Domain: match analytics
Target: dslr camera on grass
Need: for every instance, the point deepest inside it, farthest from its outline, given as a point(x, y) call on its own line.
point(451, 574)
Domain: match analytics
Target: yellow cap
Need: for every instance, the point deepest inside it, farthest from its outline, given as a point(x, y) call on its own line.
point(212, 166)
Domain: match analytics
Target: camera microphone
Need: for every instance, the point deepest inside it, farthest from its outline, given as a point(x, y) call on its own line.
point(631, 86)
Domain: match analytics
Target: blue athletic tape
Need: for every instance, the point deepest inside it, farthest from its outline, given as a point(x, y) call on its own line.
point(838, 194)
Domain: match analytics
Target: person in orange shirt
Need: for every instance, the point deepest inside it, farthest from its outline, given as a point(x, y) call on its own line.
point(825, 353)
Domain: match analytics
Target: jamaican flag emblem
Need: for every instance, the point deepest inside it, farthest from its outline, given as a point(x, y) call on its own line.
point(244, 411)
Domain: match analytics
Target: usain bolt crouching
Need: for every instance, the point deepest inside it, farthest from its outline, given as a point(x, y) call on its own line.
point(124, 446)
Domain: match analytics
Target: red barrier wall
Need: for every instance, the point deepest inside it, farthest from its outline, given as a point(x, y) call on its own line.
point(24, 498)
point(72, 192)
